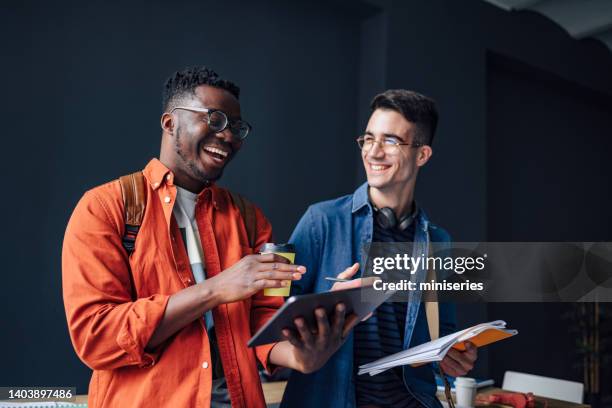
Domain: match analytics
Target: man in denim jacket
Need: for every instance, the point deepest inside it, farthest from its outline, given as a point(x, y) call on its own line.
point(330, 236)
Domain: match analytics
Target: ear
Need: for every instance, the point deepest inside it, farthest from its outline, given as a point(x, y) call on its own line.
point(167, 123)
point(423, 155)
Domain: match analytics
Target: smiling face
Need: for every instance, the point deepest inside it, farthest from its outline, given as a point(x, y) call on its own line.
point(195, 153)
point(396, 171)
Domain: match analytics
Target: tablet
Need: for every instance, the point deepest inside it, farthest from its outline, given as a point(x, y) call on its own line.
point(360, 301)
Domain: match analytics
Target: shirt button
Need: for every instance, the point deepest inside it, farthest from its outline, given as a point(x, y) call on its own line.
point(205, 364)
point(167, 199)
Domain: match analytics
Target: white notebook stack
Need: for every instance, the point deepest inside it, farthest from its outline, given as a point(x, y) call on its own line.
point(435, 350)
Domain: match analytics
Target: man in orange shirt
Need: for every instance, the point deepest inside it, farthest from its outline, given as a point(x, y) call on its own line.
point(167, 324)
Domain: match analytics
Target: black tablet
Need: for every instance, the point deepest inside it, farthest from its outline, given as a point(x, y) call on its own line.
point(360, 301)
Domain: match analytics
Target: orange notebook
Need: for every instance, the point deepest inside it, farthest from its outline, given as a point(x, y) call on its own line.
point(488, 336)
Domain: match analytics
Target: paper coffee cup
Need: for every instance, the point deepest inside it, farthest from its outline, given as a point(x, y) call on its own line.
point(286, 251)
point(465, 391)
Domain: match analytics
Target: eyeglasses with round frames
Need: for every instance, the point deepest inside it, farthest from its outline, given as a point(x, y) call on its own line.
point(218, 121)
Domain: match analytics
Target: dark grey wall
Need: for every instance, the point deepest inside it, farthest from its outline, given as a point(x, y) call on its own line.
point(535, 114)
point(84, 81)
point(82, 102)
point(440, 47)
point(475, 185)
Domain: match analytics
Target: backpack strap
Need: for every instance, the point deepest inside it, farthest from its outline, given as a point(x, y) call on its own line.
point(247, 210)
point(432, 311)
point(134, 203)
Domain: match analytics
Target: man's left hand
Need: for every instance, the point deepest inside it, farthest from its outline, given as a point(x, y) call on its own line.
point(312, 347)
point(458, 363)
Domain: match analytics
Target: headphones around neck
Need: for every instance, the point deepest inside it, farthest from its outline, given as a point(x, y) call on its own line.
point(386, 219)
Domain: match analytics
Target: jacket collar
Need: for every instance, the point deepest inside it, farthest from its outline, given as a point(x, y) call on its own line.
point(361, 199)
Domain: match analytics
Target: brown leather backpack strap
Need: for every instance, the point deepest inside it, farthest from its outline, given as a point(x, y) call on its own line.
point(432, 312)
point(247, 210)
point(134, 203)
point(432, 309)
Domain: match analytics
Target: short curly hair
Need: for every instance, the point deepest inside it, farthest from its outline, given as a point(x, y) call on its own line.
point(416, 108)
point(183, 83)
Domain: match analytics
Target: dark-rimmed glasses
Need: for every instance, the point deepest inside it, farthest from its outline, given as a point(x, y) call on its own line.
point(218, 121)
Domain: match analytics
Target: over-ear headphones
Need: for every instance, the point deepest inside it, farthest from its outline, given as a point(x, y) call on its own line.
point(386, 219)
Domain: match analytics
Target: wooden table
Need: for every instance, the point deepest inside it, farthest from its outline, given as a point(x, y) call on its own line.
point(552, 403)
point(273, 391)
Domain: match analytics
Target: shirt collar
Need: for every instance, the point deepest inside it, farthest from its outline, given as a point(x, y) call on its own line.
point(158, 174)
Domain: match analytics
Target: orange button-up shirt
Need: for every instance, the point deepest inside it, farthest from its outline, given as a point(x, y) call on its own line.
point(114, 302)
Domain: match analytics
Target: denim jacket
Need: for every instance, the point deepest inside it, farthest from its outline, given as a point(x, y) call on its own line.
point(328, 239)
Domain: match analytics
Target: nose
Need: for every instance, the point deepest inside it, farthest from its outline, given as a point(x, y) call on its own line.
point(226, 135)
point(376, 151)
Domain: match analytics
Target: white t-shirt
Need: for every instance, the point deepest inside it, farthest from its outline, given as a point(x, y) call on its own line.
point(184, 213)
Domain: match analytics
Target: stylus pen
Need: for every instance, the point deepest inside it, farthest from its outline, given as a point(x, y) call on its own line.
point(337, 279)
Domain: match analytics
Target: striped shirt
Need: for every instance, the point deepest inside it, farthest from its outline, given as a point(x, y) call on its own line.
point(379, 336)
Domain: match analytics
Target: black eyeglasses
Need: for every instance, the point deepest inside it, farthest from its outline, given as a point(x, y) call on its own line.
point(390, 145)
point(217, 121)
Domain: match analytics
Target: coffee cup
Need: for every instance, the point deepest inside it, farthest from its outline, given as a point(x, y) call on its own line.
point(465, 391)
point(286, 251)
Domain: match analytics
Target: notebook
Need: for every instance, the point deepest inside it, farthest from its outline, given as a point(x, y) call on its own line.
point(435, 350)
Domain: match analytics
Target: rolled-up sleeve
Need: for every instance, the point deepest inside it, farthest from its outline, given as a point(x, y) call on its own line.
point(109, 328)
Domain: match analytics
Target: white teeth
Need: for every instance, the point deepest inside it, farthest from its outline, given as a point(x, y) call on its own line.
point(377, 168)
point(215, 150)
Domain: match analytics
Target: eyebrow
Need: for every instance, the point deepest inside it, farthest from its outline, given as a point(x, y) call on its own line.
point(387, 135)
point(231, 118)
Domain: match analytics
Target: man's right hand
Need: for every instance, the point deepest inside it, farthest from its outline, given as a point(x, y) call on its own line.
point(348, 273)
point(252, 274)
point(242, 280)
